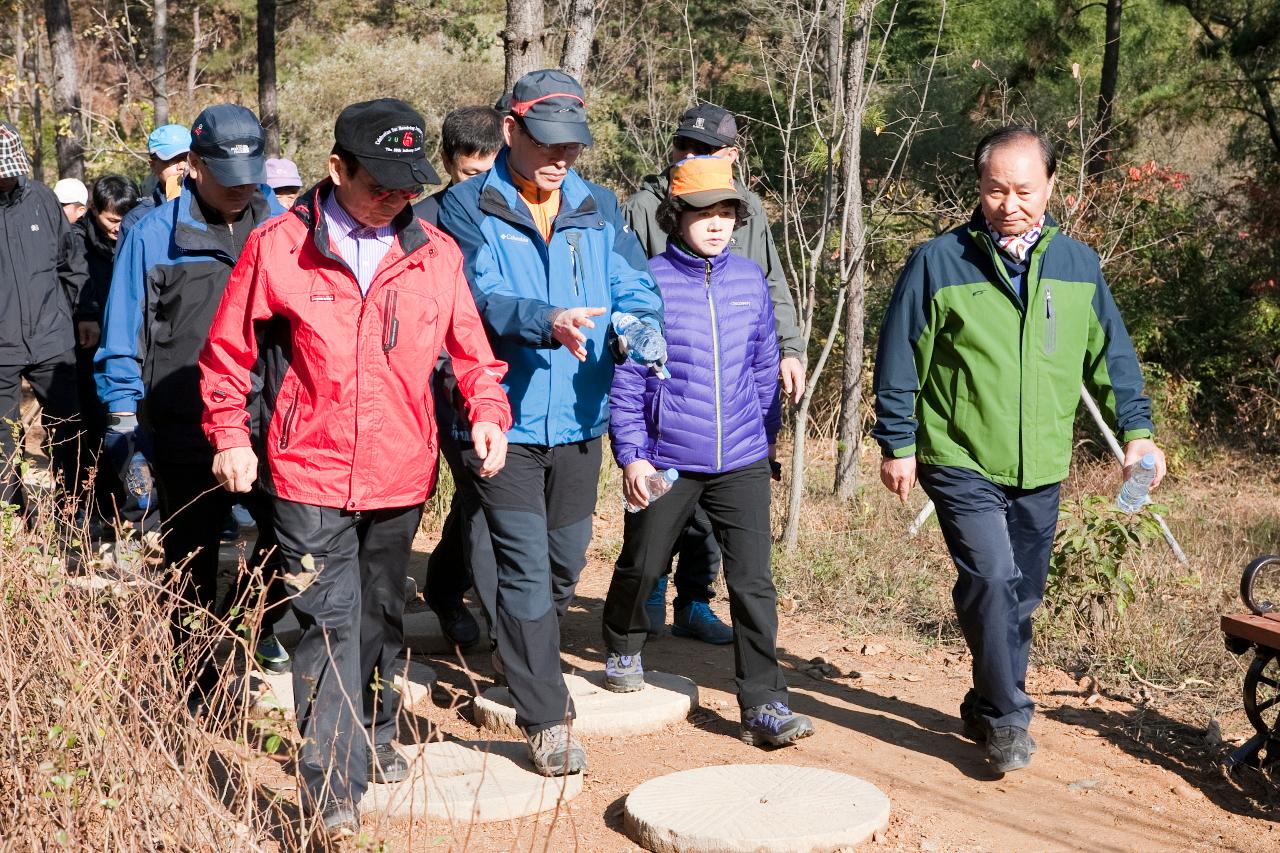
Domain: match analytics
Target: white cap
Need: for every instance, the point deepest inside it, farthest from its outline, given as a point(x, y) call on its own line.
point(71, 191)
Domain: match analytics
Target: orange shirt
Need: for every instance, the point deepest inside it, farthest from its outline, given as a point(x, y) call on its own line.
point(543, 205)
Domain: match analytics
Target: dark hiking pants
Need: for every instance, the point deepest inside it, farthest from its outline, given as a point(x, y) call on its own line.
point(1000, 538)
point(54, 384)
point(737, 505)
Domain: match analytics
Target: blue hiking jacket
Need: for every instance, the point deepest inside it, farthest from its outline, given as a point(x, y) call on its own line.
point(519, 281)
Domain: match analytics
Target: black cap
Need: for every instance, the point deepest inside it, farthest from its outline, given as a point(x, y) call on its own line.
point(230, 141)
point(552, 107)
point(386, 136)
point(503, 104)
point(709, 124)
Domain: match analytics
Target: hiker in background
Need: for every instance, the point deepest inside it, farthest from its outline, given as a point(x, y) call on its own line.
point(709, 130)
point(720, 417)
point(169, 274)
point(167, 148)
point(73, 195)
point(990, 332)
point(469, 141)
point(549, 257)
point(354, 297)
point(285, 180)
point(98, 232)
point(41, 275)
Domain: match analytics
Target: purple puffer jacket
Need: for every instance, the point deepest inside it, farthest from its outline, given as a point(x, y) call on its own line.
point(719, 410)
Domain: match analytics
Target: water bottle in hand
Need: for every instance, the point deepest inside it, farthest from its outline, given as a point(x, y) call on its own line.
point(1133, 494)
point(641, 342)
point(659, 483)
point(138, 480)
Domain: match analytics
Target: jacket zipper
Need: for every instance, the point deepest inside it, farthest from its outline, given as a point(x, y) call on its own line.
point(715, 357)
point(391, 326)
point(287, 427)
point(573, 261)
point(1050, 322)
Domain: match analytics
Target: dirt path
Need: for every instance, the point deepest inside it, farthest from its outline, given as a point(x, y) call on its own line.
point(889, 717)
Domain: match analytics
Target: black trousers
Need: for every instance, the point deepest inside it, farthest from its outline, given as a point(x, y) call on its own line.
point(54, 384)
point(464, 556)
point(1000, 538)
point(350, 604)
point(193, 508)
point(737, 504)
point(539, 510)
point(699, 561)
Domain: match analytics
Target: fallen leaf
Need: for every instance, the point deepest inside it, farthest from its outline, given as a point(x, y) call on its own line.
point(870, 649)
point(302, 580)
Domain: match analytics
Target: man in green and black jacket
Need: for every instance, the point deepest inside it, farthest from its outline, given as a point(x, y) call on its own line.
point(991, 330)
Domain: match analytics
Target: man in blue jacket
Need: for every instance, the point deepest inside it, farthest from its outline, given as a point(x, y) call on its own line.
point(547, 255)
point(170, 272)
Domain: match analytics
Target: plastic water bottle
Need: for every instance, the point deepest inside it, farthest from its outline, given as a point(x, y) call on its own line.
point(641, 342)
point(1133, 494)
point(659, 483)
point(138, 480)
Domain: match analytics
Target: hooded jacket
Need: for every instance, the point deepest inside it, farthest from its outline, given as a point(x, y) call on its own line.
point(521, 281)
point(719, 410)
point(99, 256)
point(169, 276)
point(347, 409)
point(752, 240)
point(42, 273)
point(970, 376)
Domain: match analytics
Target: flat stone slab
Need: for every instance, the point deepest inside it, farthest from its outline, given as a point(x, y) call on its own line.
point(754, 808)
point(272, 691)
point(470, 782)
point(422, 633)
point(665, 699)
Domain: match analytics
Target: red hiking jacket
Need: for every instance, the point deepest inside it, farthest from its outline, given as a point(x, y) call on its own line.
point(346, 417)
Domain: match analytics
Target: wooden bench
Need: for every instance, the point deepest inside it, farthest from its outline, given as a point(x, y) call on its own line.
point(1259, 633)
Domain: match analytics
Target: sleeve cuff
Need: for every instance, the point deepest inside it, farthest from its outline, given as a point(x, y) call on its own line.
point(229, 439)
point(1139, 432)
point(899, 452)
point(491, 413)
point(548, 338)
point(625, 455)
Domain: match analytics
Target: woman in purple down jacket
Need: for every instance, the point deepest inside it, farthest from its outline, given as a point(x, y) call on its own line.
point(714, 421)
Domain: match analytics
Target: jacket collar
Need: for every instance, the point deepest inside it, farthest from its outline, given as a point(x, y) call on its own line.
point(690, 264)
point(500, 197)
point(94, 238)
point(309, 207)
point(191, 230)
point(15, 195)
point(978, 226)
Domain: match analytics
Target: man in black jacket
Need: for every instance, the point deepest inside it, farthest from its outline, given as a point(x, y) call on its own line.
point(41, 275)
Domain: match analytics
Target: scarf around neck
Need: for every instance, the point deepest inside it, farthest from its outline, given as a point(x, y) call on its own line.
point(1018, 246)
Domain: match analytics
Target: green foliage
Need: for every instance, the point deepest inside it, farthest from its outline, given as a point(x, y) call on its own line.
point(1090, 572)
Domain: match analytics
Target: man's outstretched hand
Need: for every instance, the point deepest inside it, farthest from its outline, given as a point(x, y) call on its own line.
point(491, 447)
point(564, 328)
point(236, 468)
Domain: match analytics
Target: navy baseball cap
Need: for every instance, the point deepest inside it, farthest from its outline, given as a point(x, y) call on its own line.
point(710, 125)
point(231, 142)
point(552, 107)
point(386, 136)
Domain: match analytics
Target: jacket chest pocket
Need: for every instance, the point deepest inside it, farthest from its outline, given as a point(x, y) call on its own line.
point(409, 324)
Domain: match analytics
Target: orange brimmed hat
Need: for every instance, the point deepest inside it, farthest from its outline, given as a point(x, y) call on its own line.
point(703, 181)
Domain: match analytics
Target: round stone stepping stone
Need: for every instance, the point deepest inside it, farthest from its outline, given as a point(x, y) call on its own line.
point(470, 782)
point(274, 691)
point(665, 699)
point(754, 808)
point(422, 632)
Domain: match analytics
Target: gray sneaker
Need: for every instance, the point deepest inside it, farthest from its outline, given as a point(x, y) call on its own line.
point(623, 673)
point(556, 752)
point(1009, 748)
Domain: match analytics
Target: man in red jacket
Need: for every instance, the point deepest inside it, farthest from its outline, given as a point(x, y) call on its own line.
point(348, 299)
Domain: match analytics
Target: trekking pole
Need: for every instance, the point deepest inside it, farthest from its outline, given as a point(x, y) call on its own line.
point(920, 519)
point(1119, 454)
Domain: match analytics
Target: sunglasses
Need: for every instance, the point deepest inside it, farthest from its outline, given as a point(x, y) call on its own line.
point(561, 151)
point(379, 193)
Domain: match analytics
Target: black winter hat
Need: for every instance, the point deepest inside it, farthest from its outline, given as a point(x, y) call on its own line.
point(386, 136)
point(710, 125)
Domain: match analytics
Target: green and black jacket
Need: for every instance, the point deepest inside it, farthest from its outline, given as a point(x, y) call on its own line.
point(967, 375)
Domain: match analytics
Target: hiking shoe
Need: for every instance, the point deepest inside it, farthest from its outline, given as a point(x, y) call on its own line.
point(773, 724)
point(339, 821)
point(655, 607)
point(386, 764)
point(976, 729)
point(458, 625)
point(271, 655)
point(1008, 748)
point(700, 622)
point(556, 752)
point(623, 673)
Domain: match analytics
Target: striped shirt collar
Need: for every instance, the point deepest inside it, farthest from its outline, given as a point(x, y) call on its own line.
point(361, 246)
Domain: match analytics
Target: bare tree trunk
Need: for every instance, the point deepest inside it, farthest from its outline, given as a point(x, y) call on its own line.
point(19, 61)
point(37, 73)
point(1269, 114)
point(524, 39)
point(853, 248)
point(577, 42)
point(160, 61)
point(267, 113)
point(1100, 150)
point(66, 89)
point(193, 66)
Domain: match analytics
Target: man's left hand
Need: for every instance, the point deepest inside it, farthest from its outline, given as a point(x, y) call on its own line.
point(793, 378)
point(1136, 449)
point(491, 447)
point(88, 333)
point(236, 468)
